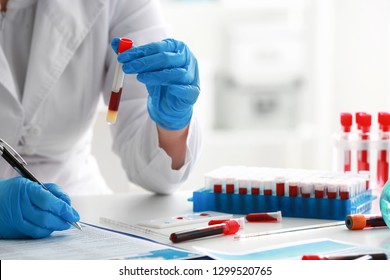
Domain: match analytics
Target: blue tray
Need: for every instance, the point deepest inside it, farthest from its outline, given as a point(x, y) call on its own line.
point(318, 208)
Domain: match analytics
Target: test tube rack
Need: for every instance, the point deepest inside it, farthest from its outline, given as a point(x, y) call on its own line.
point(296, 193)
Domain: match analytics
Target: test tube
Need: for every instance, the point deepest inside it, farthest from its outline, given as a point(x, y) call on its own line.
point(225, 228)
point(112, 113)
point(280, 185)
point(319, 189)
point(264, 217)
point(368, 256)
point(255, 187)
point(345, 190)
point(363, 121)
point(293, 189)
point(332, 190)
point(366, 176)
point(361, 221)
point(217, 187)
point(346, 123)
point(306, 189)
point(383, 153)
point(242, 185)
point(268, 186)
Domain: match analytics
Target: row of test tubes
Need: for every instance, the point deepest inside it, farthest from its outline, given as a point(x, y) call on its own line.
point(359, 147)
point(286, 182)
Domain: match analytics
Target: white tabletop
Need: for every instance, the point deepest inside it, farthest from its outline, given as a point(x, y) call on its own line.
point(133, 208)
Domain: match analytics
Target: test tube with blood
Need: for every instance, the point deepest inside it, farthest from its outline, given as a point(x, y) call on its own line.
point(293, 190)
point(268, 186)
point(225, 228)
point(345, 190)
point(363, 121)
point(280, 185)
point(217, 187)
point(319, 189)
point(264, 217)
point(306, 189)
point(383, 148)
point(365, 174)
point(346, 123)
point(255, 187)
point(332, 190)
point(113, 106)
point(361, 221)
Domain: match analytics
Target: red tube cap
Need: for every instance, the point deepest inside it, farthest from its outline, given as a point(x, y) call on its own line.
point(363, 121)
point(384, 121)
point(312, 258)
point(346, 121)
point(232, 227)
point(124, 45)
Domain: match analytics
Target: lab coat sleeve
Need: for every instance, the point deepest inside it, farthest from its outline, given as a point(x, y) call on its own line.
point(135, 137)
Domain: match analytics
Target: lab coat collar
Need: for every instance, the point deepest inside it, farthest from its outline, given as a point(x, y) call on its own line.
point(59, 28)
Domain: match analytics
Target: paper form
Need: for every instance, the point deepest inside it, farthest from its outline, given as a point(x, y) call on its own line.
point(295, 250)
point(90, 244)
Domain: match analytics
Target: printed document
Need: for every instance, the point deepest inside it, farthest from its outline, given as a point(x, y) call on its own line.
point(89, 244)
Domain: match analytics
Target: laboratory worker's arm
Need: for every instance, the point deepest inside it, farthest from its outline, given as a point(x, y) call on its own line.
point(27, 210)
point(156, 134)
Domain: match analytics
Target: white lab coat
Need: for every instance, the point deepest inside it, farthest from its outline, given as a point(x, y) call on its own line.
point(71, 64)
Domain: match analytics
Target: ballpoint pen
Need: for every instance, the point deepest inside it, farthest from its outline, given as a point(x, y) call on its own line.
point(19, 164)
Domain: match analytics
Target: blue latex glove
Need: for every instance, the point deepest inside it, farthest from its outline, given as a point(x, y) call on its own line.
point(28, 210)
point(170, 72)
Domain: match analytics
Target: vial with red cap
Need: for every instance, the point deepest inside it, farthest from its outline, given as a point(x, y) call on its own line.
point(382, 170)
point(224, 228)
point(113, 106)
point(363, 122)
point(345, 147)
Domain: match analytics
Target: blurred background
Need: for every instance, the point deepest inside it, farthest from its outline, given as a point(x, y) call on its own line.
point(275, 75)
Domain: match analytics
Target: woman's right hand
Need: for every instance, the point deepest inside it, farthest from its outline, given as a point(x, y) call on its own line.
point(29, 211)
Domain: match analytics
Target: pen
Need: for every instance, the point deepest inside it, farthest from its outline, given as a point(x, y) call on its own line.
point(375, 256)
point(19, 164)
point(225, 228)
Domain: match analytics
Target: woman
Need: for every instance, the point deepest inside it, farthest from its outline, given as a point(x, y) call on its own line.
point(55, 64)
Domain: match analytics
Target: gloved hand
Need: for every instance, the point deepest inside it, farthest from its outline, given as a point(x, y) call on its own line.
point(170, 72)
point(28, 210)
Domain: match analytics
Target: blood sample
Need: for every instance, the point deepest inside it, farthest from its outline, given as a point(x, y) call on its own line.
point(361, 221)
point(383, 153)
point(280, 186)
point(345, 190)
point(230, 186)
point(363, 121)
point(217, 186)
point(293, 189)
point(369, 256)
point(113, 106)
point(319, 190)
point(346, 123)
point(332, 191)
point(264, 217)
point(268, 183)
point(306, 189)
point(225, 228)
